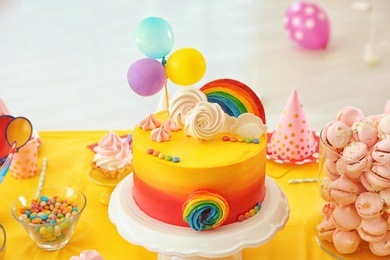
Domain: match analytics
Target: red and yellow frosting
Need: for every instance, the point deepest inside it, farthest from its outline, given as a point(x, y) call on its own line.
point(233, 170)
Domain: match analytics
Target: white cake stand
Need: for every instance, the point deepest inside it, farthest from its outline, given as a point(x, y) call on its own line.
point(179, 243)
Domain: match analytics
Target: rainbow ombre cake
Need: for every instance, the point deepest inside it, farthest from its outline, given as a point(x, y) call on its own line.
point(198, 167)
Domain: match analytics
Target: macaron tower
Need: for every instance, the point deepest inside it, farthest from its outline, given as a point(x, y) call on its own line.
point(355, 183)
point(292, 140)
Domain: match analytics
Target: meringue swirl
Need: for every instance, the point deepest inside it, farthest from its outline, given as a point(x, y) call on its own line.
point(184, 100)
point(204, 121)
point(112, 152)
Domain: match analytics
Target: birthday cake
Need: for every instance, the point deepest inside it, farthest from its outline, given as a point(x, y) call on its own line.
point(201, 163)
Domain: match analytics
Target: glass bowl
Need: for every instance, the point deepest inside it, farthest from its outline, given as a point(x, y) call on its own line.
point(338, 225)
point(50, 215)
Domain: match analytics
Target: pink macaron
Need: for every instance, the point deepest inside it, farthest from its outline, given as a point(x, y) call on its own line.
point(369, 205)
point(367, 185)
point(355, 158)
point(346, 242)
point(336, 134)
point(385, 196)
point(381, 151)
point(349, 115)
point(325, 230)
point(379, 176)
point(346, 217)
point(381, 248)
point(372, 230)
point(343, 190)
point(364, 132)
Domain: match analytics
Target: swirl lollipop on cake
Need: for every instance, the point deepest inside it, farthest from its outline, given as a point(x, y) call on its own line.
point(205, 210)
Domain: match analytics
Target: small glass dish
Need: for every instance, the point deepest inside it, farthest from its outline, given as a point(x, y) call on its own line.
point(59, 209)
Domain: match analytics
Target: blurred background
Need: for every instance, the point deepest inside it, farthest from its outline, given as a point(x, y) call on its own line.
point(63, 64)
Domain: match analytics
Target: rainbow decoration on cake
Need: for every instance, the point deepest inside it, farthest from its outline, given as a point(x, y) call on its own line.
point(204, 210)
point(234, 97)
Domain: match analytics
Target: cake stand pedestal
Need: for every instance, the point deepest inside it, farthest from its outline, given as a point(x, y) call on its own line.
point(181, 243)
point(100, 179)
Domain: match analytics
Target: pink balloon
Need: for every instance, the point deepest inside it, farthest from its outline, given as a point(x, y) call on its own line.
point(146, 77)
point(4, 145)
point(308, 25)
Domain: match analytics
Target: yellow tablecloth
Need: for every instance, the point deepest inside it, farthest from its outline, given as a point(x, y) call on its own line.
point(68, 164)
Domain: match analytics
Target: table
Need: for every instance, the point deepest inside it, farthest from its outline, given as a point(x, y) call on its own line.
point(68, 163)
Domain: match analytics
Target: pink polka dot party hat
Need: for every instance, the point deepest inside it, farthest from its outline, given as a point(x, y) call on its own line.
point(292, 139)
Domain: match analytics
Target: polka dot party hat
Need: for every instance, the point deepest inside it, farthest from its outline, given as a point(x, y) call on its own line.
point(25, 162)
point(292, 139)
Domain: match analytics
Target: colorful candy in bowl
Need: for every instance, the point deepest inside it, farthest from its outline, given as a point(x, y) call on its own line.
point(50, 215)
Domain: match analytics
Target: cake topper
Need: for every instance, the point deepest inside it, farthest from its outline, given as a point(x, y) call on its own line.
point(308, 25)
point(234, 97)
point(146, 77)
point(293, 141)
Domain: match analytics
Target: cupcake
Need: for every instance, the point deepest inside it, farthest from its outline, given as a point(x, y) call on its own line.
point(113, 156)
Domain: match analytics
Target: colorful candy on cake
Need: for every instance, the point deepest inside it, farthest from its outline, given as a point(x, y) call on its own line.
point(293, 141)
point(356, 186)
point(113, 156)
point(201, 163)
